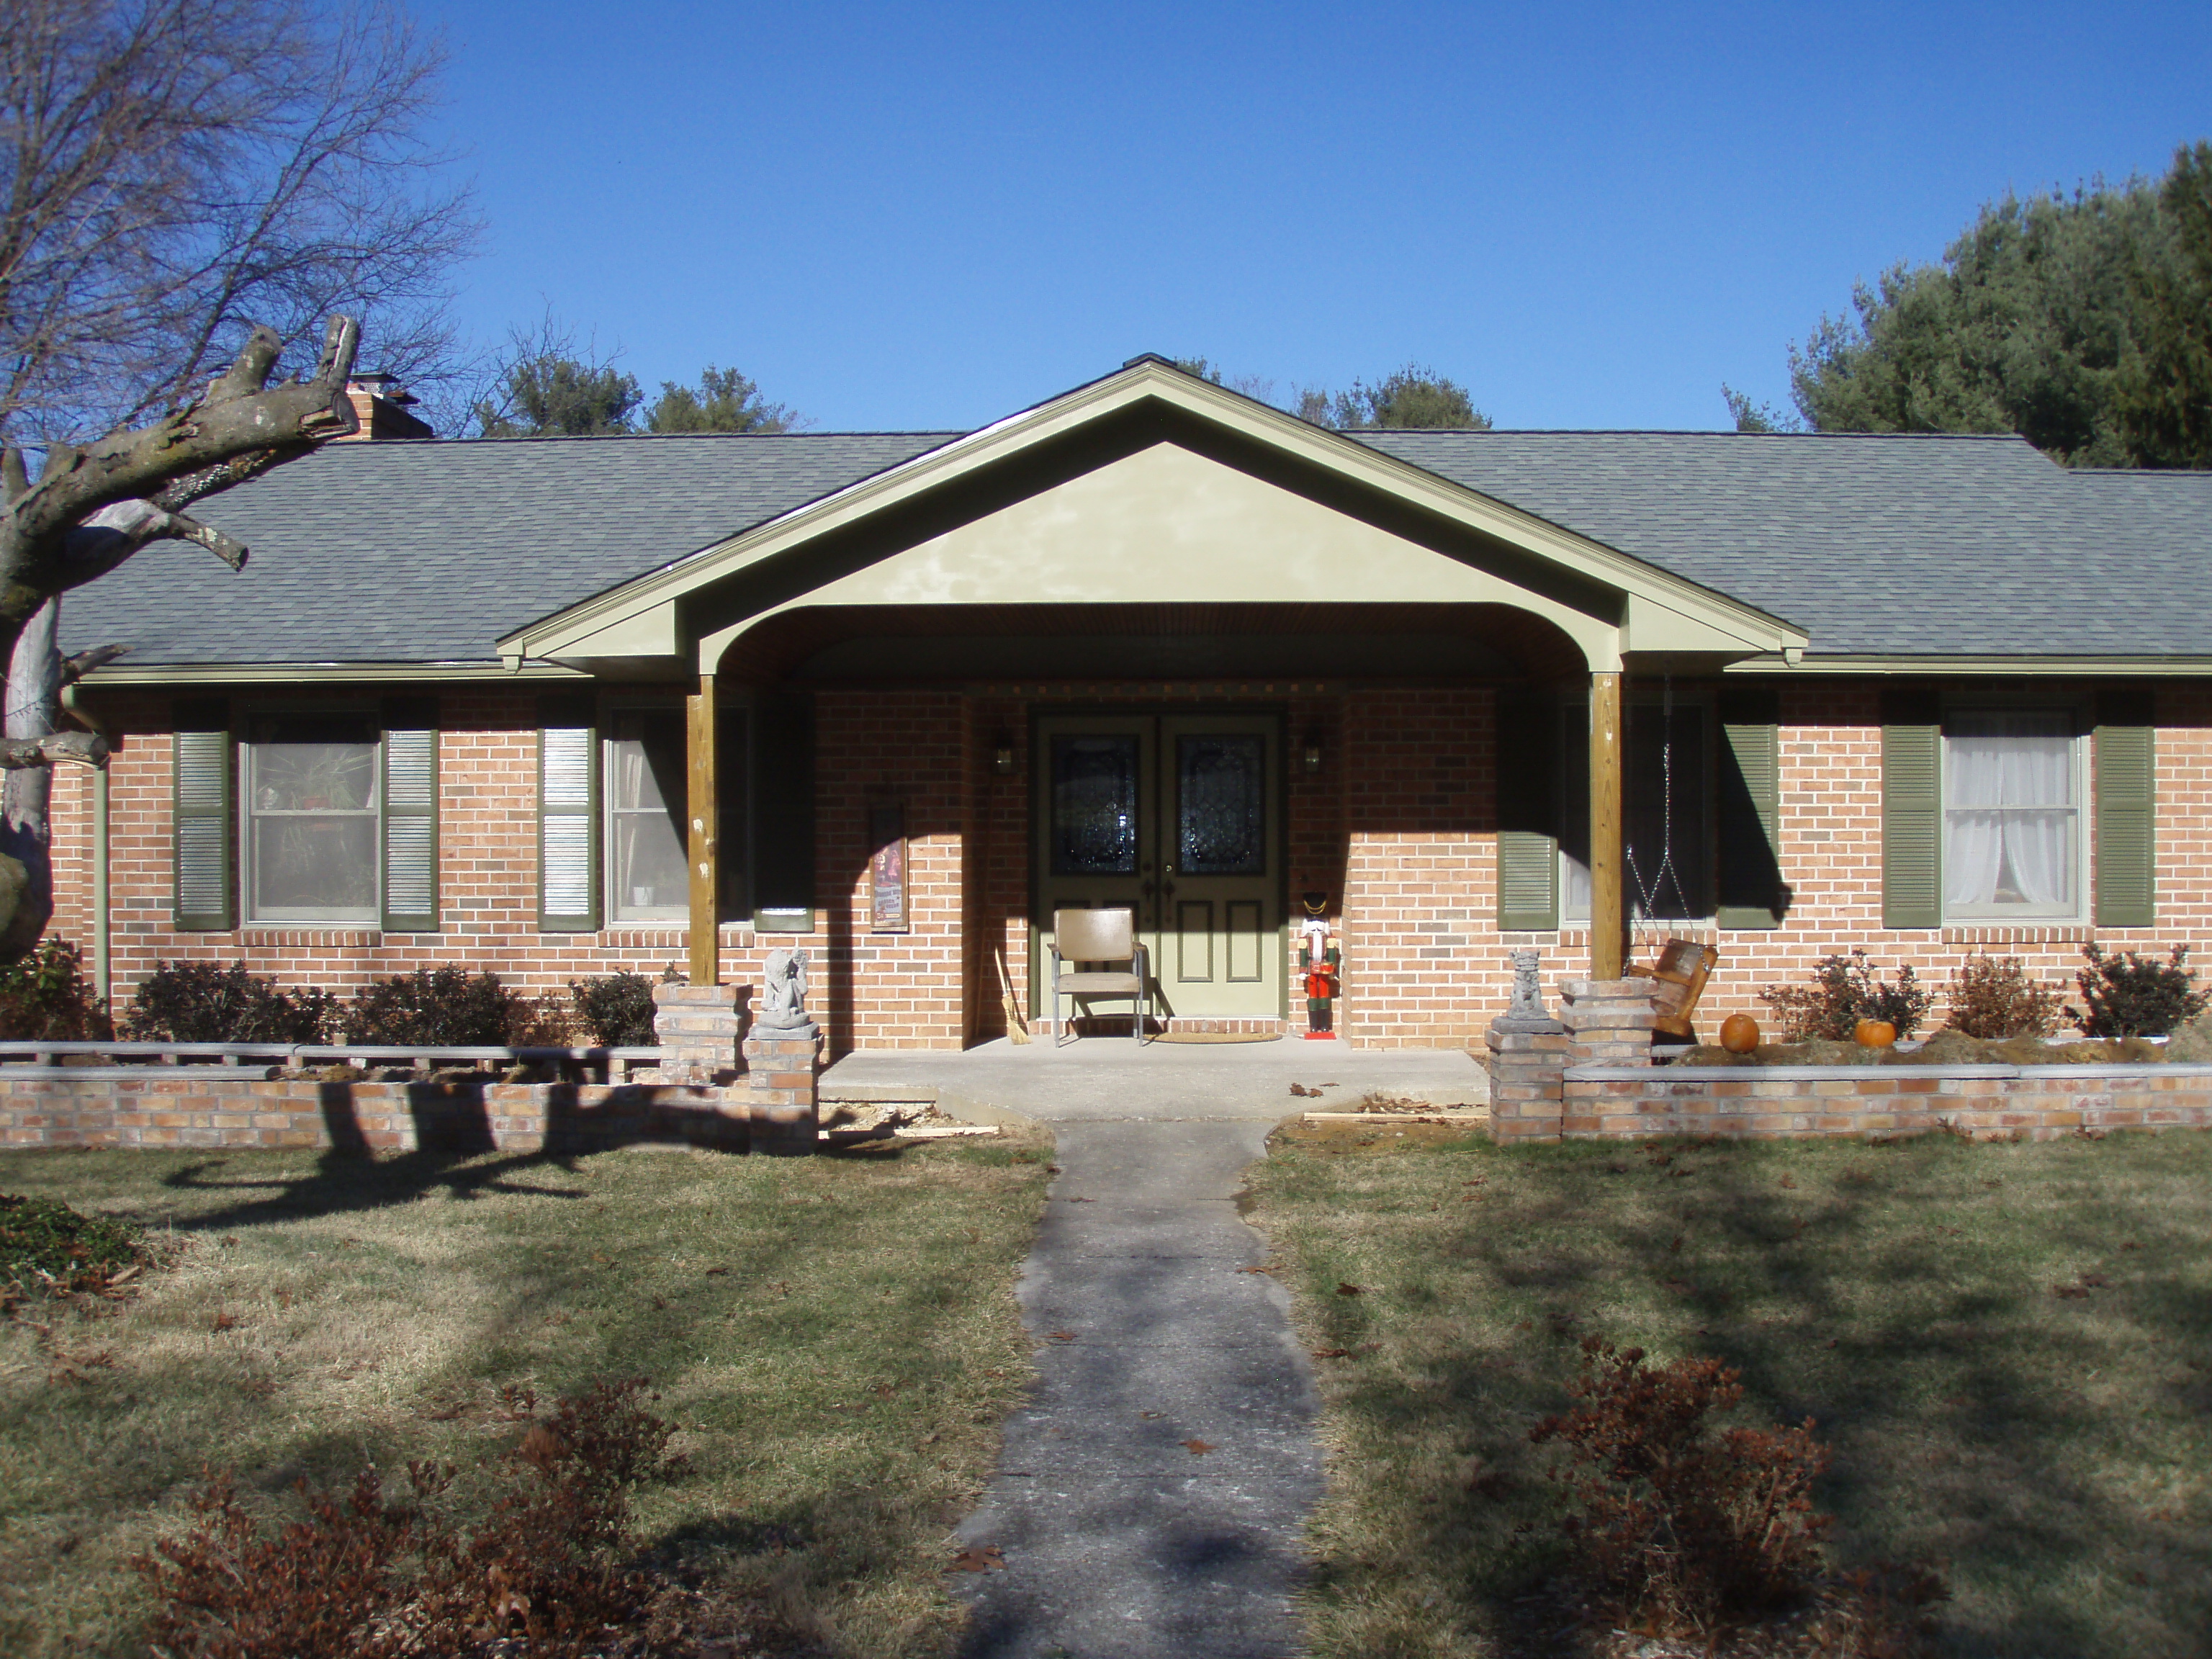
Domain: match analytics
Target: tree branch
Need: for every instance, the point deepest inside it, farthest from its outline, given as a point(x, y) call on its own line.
point(76, 667)
point(86, 748)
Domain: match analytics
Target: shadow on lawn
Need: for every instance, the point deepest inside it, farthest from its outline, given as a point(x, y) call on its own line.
point(1948, 1345)
point(343, 1183)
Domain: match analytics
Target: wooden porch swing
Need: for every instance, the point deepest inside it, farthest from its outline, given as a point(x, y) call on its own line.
point(1682, 966)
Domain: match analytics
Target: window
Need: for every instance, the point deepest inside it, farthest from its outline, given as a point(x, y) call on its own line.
point(1667, 845)
point(311, 818)
point(2012, 831)
point(648, 874)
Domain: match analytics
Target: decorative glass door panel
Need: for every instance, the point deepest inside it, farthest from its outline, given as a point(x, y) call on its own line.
point(1179, 818)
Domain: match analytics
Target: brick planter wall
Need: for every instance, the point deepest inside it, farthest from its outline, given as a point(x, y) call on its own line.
point(2040, 1102)
point(205, 1107)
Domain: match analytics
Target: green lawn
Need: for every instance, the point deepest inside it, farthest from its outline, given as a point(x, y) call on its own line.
point(835, 1337)
point(2009, 1348)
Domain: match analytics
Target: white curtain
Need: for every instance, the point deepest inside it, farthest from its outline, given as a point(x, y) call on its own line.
point(2011, 800)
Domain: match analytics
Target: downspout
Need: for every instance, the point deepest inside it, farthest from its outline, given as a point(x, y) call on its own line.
point(100, 916)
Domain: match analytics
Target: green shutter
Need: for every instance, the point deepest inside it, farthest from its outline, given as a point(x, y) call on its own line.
point(1911, 810)
point(783, 814)
point(204, 890)
point(1751, 894)
point(2126, 760)
point(1527, 812)
point(410, 815)
point(567, 816)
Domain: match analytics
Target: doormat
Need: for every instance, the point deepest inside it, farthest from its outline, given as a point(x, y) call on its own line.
point(1219, 1036)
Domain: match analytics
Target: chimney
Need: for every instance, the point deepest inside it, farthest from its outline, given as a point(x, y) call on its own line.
point(379, 404)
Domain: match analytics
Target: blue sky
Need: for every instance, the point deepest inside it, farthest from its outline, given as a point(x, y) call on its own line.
point(911, 216)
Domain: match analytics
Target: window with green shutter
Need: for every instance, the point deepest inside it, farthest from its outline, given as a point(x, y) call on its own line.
point(1911, 809)
point(567, 816)
point(1527, 812)
point(204, 890)
point(2126, 761)
point(1750, 808)
point(409, 884)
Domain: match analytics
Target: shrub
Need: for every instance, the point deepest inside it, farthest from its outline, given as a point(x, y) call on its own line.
point(1994, 997)
point(1845, 991)
point(2130, 996)
point(439, 1007)
point(207, 1002)
point(46, 1246)
point(1672, 1525)
point(45, 995)
point(617, 1008)
point(360, 1578)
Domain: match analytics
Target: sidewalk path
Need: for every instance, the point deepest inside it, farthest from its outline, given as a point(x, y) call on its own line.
point(1151, 1493)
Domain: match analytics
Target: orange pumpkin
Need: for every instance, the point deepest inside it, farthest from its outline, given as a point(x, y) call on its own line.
point(1874, 1034)
point(1738, 1034)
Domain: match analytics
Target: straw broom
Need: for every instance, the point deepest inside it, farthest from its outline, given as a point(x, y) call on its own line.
point(1015, 1028)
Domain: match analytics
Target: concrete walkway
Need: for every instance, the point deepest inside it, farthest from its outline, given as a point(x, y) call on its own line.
point(1152, 1491)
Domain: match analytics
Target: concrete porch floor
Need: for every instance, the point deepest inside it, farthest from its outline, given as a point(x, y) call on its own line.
point(1095, 1078)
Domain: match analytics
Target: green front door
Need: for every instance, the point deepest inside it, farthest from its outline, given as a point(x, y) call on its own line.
point(1178, 817)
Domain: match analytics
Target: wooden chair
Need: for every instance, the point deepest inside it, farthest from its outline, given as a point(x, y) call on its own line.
point(1099, 937)
point(1682, 969)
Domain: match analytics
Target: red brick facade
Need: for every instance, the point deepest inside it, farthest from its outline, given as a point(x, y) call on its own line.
point(1397, 826)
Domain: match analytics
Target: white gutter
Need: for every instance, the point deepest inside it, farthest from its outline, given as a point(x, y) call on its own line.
point(102, 916)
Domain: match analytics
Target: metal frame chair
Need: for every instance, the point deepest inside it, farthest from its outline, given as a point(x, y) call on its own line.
point(1099, 937)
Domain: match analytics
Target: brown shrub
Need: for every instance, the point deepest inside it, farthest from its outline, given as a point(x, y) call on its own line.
point(1994, 996)
point(543, 1573)
point(1672, 1525)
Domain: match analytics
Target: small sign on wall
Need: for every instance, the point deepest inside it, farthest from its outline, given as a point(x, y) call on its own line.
point(887, 867)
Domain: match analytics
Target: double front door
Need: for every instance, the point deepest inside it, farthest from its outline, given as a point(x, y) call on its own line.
point(1179, 818)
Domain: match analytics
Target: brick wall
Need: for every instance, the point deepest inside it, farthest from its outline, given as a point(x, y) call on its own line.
point(189, 1108)
point(1398, 825)
point(2037, 1103)
point(1425, 964)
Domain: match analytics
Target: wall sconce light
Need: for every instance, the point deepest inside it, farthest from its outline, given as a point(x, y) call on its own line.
point(1002, 755)
point(1310, 752)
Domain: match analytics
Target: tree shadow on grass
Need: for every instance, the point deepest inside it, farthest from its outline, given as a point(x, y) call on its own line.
point(1947, 1344)
point(349, 1182)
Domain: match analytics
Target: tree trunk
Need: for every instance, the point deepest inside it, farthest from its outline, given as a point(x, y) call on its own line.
point(34, 710)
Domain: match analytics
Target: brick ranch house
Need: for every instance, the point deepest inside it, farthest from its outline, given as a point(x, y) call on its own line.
point(555, 707)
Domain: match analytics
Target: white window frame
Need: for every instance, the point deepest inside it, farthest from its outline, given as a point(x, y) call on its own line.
point(2077, 789)
point(326, 915)
point(619, 911)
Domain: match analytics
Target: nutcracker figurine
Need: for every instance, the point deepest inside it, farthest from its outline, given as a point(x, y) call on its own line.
point(1319, 960)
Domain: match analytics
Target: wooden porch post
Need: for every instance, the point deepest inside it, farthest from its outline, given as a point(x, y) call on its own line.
point(1609, 898)
point(705, 850)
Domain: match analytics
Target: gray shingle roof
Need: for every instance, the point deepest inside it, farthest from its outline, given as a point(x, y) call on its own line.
point(1876, 543)
point(1882, 545)
point(429, 552)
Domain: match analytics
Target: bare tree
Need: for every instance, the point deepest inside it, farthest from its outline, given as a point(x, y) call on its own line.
point(187, 184)
point(174, 172)
point(93, 507)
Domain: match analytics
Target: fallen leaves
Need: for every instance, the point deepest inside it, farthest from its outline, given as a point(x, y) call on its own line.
point(1063, 1336)
point(978, 1559)
point(1304, 1092)
point(1348, 1289)
point(1197, 1448)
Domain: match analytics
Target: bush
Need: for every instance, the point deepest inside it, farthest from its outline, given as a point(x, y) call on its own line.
point(439, 1007)
point(617, 1008)
point(2129, 996)
point(1845, 991)
point(46, 996)
point(1674, 1527)
point(543, 1573)
point(46, 1246)
point(207, 1002)
point(1994, 997)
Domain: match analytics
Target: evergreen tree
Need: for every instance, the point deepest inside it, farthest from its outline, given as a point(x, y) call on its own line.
point(725, 401)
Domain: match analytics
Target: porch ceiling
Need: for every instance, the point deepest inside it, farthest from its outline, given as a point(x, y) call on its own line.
point(874, 644)
point(1152, 489)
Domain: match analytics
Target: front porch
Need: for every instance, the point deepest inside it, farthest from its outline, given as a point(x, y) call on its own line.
point(1110, 1078)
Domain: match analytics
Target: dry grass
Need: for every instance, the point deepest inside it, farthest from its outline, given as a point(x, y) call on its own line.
point(835, 1337)
point(2009, 1347)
